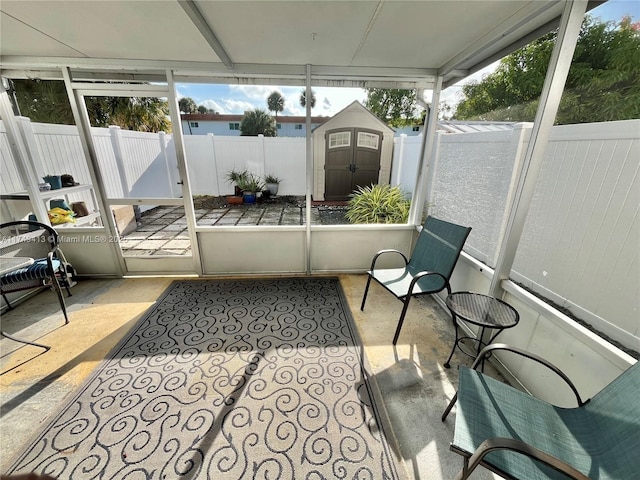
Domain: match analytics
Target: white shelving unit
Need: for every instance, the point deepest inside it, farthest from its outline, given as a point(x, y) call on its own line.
point(47, 195)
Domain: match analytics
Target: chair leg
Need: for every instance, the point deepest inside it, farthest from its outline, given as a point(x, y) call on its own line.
point(56, 287)
point(464, 473)
point(366, 291)
point(449, 407)
point(447, 364)
point(65, 280)
point(401, 320)
point(9, 307)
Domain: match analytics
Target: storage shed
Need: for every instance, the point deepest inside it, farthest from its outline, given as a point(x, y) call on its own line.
point(353, 148)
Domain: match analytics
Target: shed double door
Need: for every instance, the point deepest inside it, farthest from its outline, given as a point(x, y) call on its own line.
point(352, 160)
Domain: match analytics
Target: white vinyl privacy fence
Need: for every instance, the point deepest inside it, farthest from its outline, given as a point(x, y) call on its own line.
point(580, 243)
point(211, 157)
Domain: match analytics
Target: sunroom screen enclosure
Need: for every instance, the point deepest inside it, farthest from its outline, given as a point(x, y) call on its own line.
point(352, 43)
point(218, 42)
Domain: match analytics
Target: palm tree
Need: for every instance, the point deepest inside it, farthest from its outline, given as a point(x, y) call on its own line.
point(275, 102)
point(303, 98)
point(143, 115)
point(46, 101)
point(256, 122)
point(187, 105)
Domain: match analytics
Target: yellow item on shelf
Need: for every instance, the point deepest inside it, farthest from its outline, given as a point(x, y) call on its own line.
point(58, 216)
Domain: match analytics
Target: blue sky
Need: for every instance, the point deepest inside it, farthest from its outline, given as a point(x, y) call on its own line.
point(239, 98)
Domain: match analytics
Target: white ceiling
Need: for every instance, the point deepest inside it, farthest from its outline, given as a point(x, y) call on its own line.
point(349, 43)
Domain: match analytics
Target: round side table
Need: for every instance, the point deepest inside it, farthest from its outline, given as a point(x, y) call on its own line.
point(483, 311)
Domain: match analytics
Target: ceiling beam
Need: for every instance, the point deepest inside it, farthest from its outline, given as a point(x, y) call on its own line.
point(85, 69)
point(192, 11)
point(484, 47)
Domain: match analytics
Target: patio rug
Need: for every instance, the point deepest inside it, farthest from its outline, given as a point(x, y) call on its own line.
point(227, 379)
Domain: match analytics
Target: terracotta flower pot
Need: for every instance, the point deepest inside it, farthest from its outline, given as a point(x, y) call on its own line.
point(234, 200)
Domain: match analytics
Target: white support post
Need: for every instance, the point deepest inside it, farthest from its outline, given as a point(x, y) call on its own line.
point(426, 156)
point(261, 155)
point(23, 163)
point(310, 172)
point(162, 139)
point(214, 164)
point(81, 117)
point(398, 176)
point(559, 64)
point(519, 136)
point(116, 143)
point(178, 141)
point(433, 170)
point(29, 138)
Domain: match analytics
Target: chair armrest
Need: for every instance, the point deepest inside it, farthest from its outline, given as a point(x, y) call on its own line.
point(424, 273)
point(50, 262)
point(502, 346)
point(388, 250)
point(523, 448)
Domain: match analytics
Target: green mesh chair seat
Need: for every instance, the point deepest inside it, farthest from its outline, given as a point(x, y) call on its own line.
point(600, 438)
point(428, 271)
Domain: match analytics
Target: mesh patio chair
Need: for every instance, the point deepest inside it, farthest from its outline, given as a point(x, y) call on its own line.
point(37, 242)
point(519, 436)
point(434, 257)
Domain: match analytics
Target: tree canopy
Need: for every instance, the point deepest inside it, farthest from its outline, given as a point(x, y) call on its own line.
point(396, 107)
point(303, 98)
point(187, 105)
point(258, 122)
point(275, 103)
point(603, 83)
point(46, 101)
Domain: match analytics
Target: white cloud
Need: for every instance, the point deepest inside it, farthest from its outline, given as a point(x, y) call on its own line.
point(239, 106)
point(254, 92)
point(215, 106)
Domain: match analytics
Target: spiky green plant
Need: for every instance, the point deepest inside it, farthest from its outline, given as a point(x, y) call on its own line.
point(234, 176)
point(250, 183)
point(378, 204)
point(269, 178)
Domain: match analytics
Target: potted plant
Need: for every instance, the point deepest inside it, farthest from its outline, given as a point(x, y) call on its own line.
point(235, 177)
point(271, 184)
point(250, 186)
point(378, 204)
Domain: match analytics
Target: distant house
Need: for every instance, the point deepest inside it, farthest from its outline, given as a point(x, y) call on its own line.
point(223, 124)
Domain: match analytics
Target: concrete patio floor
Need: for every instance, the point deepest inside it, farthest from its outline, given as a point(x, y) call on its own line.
point(163, 230)
point(414, 384)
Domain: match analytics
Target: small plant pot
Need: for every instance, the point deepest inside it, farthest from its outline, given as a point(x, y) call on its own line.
point(249, 197)
point(235, 200)
point(273, 188)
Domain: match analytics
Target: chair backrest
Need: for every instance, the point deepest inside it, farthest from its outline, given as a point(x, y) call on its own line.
point(613, 415)
point(27, 239)
point(438, 246)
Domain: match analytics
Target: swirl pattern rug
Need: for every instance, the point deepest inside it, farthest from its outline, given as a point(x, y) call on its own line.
point(233, 379)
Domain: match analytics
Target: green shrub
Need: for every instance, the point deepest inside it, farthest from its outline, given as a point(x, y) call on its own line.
point(378, 204)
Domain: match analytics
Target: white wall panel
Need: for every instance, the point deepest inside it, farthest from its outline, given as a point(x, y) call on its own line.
point(580, 243)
